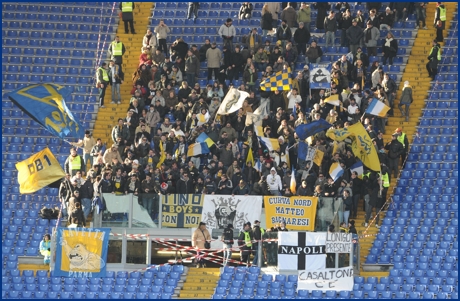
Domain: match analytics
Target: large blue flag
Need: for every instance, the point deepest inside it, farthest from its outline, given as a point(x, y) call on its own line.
point(45, 104)
point(306, 130)
point(302, 150)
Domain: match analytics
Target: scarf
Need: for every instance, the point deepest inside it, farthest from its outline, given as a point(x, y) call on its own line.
point(388, 41)
point(368, 35)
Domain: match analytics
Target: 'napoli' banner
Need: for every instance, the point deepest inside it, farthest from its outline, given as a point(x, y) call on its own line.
point(221, 210)
point(298, 213)
point(81, 252)
point(45, 104)
point(182, 210)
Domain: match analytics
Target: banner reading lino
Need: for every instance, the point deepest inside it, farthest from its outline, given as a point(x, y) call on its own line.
point(182, 210)
point(298, 213)
point(81, 252)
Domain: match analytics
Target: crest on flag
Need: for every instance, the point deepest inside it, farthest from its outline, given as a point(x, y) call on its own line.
point(320, 76)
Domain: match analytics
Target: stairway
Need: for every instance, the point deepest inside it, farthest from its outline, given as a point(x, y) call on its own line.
point(107, 117)
point(415, 72)
point(200, 283)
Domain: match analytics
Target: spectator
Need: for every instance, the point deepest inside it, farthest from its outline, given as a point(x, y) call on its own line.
point(250, 77)
point(203, 49)
point(345, 22)
point(289, 14)
point(227, 31)
point(405, 100)
point(245, 11)
point(377, 77)
point(192, 68)
point(304, 15)
point(252, 41)
point(420, 10)
point(399, 11)
point(127, 15)
point(274, 182)
point(116, 77)
point(266, 21)
point(241, 189)
point(375, 20)
point(145, 58)
point(87, 143)
point(371, 35)
point(74, 163)
point(45, 248)
point(386, 19)
point(301, 38)
point(395, 149)
point(102, 80)
point(439, 28)
point(162, 31)
point(260, 59)
point(313, 54)
point(149, 41)
point(358, 74)
point(77, 215)
point(389, 48)
point(330, 25)
point(213, 56)
point(283, 33)
point(224, 186)
point(179, 48)
point(354, 34)
point(193, 10)
point(117, 50)
point(322, 8)
point(274, 8)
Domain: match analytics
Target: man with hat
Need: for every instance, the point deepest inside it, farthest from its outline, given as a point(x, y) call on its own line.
point(227, 31)
point(258, 233)
point(371, 36)
point(395, 150)
point(245, 242)
point(354, 35)
point(227, 239)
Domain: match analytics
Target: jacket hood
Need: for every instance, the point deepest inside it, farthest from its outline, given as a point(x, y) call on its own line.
point(273, 169)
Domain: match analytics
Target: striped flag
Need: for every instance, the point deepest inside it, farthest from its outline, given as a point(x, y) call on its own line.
point(280, 81)
point(271, 143)
point(333, 100)
point(205, 138)
point(293, 184)
point(258, 166)
point(377, 108)
point(336, 171)
point(202, 119)
point(197, 149)
point(358, 167)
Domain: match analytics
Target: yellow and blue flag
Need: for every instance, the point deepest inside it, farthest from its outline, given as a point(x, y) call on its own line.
point(250, 157)
point(377, 108)
point(304, 131)
point(358, 167)
point(271, 143)
point(336, 171)
point(162, 155)
point(205, 138)
point(81, 252)
point(38, 171)
point(281, 80)
point(197, 149)
point(318, 157)
point(333, 100)
point(45, 103)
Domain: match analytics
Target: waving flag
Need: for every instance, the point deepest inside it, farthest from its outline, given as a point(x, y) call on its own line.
point(259, 114)
point(197, 149)
point(258, 166)
point(377, 108)
point(232, 102)
point(293, 184)
point(318, 157)
point(336, 171)
point(162, 155)
point(358, 167)
point(302, 150)
point(38, 171)
point(281, 80)
point(45, 104)
point(250, 157)
point(333, 100)
point(202, 119)
point(271, 143)
point(205, 138)
point(306, 130)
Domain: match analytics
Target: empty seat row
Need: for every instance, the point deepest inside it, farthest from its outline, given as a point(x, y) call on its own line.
point(44, 17)
point(56, 45)
point(50, 60)
point(84, 8)
point(21, 38)
point(63, 27)
point(57, 79)
point(428, 139)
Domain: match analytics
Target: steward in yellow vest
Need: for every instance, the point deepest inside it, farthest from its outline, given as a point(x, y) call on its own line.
point(433, 59)
point(127, 15)
point(117, 49)
point(74, 163)
point(245, 242)
point(441, 14)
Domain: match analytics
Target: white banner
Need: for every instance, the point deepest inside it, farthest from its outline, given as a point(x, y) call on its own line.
point(221, 210)
point(232, 101)
point(301, 250)
point(326, 280)
point(338, 242)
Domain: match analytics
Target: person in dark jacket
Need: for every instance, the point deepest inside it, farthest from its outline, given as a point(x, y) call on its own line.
point(322, 8)
point(257, 232)
point(301, 38)
point(203, 49)
point(77, 213)
point(304, 190)
point(354, 34)
point(356, 188)
point(344, 22)
point(389, 48)
point(224, 186)
point(86, 194)
point(261, 187)
point(330, 26)
point(245, 243)
point(184, 185)
point(266, 22)
point(395, 149)
point(375, 199)
point(210, 186)
point(132, 185)
point(193, 10)
point(433, 59)
point(283, 34)
point(386, 19)
point(180, 48)
point(241, 188)
point(227, 239)
point(245, 11)
point(127, 15)
point(348, 203)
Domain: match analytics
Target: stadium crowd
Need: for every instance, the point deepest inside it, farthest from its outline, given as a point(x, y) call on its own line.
point(148, 154)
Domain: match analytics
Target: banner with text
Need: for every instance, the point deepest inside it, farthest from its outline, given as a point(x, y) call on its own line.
point(338, 242)
point(298, 213)
point(340, 279)
point(81, 252)
point(182, 210)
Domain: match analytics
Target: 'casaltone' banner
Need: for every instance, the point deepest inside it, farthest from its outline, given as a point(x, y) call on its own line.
point(298, 213)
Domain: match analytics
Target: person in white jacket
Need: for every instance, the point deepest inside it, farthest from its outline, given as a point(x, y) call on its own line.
point(149, 41)
point(274, 182)
point(227, 31)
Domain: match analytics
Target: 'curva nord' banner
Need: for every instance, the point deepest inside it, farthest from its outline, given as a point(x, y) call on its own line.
point(298, 213)
point(182, 210)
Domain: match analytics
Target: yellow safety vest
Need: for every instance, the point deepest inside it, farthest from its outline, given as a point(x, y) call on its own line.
point(247, 239)
point(438, 56)
point(75, 164)
point(442, 14)
point(126, 7)
point(262, 231)
point(386, 180)
point(344, 229)
point(366, 174)
point(401, 138)
point(105, 75)
point(117, 48)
